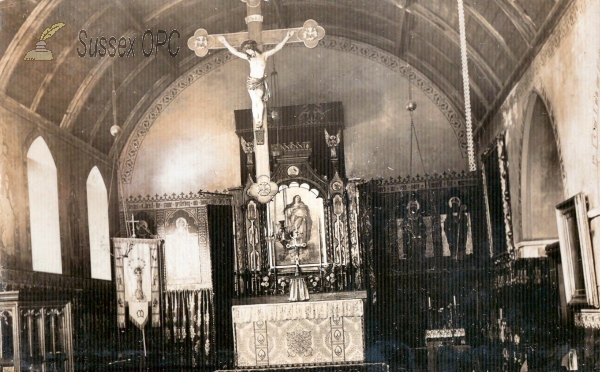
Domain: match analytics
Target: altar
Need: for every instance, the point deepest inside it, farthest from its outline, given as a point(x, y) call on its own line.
point(299, 333)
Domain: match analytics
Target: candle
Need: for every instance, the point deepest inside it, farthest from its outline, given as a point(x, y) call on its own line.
point(500, 313)
point(429, 301)
point(454, 300)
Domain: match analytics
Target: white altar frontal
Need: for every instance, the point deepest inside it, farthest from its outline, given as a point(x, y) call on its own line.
point(299, 333)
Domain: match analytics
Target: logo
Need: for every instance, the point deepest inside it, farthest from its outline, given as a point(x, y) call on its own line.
point(40, 53)
point(126, 47)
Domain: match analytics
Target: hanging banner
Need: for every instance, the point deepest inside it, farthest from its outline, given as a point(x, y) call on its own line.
point(137, 280)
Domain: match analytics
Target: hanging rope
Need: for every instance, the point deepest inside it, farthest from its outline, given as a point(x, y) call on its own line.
point(115, 166)
point(411, 106)
point(467, 93)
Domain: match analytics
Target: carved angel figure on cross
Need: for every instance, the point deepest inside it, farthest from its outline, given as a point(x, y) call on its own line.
point(333, 140)
point(256, 83)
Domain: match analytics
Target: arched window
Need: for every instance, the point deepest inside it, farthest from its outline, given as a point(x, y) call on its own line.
point(541, 174)
point(97, 206)
point(43, 209)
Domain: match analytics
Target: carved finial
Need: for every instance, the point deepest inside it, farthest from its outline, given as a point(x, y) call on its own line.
point(332, 142)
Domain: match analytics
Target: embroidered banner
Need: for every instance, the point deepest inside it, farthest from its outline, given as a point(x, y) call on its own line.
point(137, 280)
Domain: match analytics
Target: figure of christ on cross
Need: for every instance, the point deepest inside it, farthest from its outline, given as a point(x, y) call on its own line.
point(256, 83)
point(201, 42)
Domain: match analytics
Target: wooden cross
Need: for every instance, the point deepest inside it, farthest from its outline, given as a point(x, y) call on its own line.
point(132, 222)
point(310, 34)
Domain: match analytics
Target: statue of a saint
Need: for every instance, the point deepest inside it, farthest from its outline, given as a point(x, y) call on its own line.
point(414, 232)
point(297, 220)
point(256, 83)
point(455, 228)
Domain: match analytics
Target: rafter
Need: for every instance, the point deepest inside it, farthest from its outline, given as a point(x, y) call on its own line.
point(336, 6)
point(439, 80)
point(472, 83)
point(402, 31)
point(138, 25)
point(108, 107)
point(444, 28)
point(17, 48)
point(519, 18)
point(483, 22)
point(359, 35)
point(61, 59)
point(86, 88)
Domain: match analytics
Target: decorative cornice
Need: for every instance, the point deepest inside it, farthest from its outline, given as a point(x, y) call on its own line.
point(588, 319)
point(208, 64)
point(435, 181)
point(175, 201)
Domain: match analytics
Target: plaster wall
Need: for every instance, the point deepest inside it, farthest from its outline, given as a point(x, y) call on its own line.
point(192, 145)
point(566, 74)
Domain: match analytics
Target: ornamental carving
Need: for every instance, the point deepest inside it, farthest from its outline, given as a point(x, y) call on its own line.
point(311, 33)
point(201, 42)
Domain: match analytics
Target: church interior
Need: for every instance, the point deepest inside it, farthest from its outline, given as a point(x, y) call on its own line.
point(396, 185)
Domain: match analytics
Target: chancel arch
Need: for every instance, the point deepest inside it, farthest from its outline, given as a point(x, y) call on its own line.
point(542, 186)
point(374, 91)
point(43, 208)
point(97, 206)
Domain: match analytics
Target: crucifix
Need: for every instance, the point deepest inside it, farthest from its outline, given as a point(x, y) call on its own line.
point(251, 43)
point(132, 222)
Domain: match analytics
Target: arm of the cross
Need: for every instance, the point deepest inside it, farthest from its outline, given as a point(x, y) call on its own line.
point(310, 33)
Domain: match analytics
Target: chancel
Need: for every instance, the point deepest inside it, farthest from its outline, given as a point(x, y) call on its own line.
point(385, 185)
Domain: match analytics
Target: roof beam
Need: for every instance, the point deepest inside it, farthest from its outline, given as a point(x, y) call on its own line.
point(22, 40)
point(402, 31)
point(441, 26)
point(483, 22)
point(108, 107)
point(86, 88)
point(519, 18)
point(474, 86)
point(559, 10)
point(138, 25)
point(60, 60)
point(439, 80)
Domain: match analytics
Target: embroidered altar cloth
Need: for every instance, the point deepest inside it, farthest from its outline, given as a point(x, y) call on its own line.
point(299, 333)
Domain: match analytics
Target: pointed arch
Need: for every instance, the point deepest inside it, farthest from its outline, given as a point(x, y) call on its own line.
point(541, 173)
point(44, 217)
point(97, 206)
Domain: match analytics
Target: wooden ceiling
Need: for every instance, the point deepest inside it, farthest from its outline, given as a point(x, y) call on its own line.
point(74, 92)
